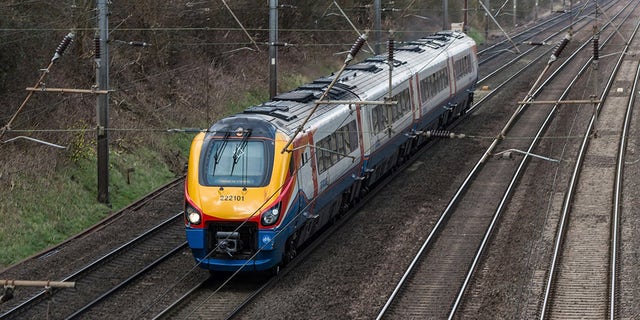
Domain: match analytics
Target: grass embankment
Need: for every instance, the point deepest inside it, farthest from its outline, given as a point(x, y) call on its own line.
point(41, 211)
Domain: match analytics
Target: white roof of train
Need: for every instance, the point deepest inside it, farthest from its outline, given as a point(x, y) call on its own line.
point(366, 80)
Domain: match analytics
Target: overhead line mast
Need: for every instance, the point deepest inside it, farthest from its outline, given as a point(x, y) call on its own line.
point(102, 107)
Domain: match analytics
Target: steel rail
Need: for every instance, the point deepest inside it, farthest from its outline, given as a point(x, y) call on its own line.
point(127, 281)
point(617, 201)
point(33, 300)
point(461, 190)
point(180, 300)
point(106, 221)
point(552, 22)
point(573, 183)
point(515, 178)
point(514, 60)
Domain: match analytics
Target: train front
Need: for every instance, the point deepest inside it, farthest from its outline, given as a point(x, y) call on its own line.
point(237, 190)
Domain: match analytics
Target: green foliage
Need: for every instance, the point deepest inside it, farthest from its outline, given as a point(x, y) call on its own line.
point(251, 98)
point(291, 81)
point(33, 221)
point(476, 35)
point(182, 143)
point(65, 201)
point(81, 146)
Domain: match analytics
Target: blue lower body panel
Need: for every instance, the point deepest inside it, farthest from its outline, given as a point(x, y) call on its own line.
point(269, 253)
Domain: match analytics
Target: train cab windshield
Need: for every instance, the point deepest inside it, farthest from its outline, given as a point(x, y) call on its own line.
point(237, 162)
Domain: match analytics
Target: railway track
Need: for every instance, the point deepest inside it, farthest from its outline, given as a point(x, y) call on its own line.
point(216, 298)
point(102, 275)
point(467, 225)
point(495, 74)
point(581, 281)
point(105, 275)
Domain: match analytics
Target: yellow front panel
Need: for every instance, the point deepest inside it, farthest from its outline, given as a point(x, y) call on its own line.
point(236, 203)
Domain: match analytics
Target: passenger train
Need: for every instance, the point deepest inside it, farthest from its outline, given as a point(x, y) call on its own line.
point(262, 182)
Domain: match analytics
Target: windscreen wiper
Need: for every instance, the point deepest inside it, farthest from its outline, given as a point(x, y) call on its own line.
point(240, 149)
point(219, 151)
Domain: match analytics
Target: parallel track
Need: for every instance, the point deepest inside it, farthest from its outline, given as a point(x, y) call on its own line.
point(428, 283)
point(581, 283)
point(113, 269)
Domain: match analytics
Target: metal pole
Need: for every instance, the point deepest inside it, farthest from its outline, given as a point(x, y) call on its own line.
point(486, 20)
point(273, 49)
point(515, 10)
point(32, 283)
point(466, 13)
point(102, 76)
point(445, 15)
point(377, 24)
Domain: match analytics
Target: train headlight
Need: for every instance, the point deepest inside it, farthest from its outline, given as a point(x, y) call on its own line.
point(270, 216)
point(193, 215)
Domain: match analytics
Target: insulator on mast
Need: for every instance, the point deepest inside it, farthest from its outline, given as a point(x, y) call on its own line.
point(355, 48)
point(63, 46)
point(391, 46)
point(96, 44)
point(559, 48)
point(443, 134)
point(596, 48)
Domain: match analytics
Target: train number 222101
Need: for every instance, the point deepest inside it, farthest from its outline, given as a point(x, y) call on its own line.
point(231, 198)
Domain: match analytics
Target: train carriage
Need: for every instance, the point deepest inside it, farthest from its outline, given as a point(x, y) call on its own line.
point(252, 198)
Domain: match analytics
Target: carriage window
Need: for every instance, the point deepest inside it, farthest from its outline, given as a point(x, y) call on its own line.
point(334, 147)
point(431, 85)
point(378, 118)
point(463, 66)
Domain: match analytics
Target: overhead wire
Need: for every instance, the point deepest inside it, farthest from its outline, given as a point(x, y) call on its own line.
point(168, 130)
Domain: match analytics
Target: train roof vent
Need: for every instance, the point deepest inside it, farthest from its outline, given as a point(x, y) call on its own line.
point(364, 67)
point(383, 59)
point(325, 80)
point(429, 43)
point(412, 48)
point(314, 86)
point(433, 45)
point(297, 96)
point(281, 112)
point(344, 86)
point(441, 37)
point(455, 34)
point(321, 86)
point(337, 92)
point(379, 59)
